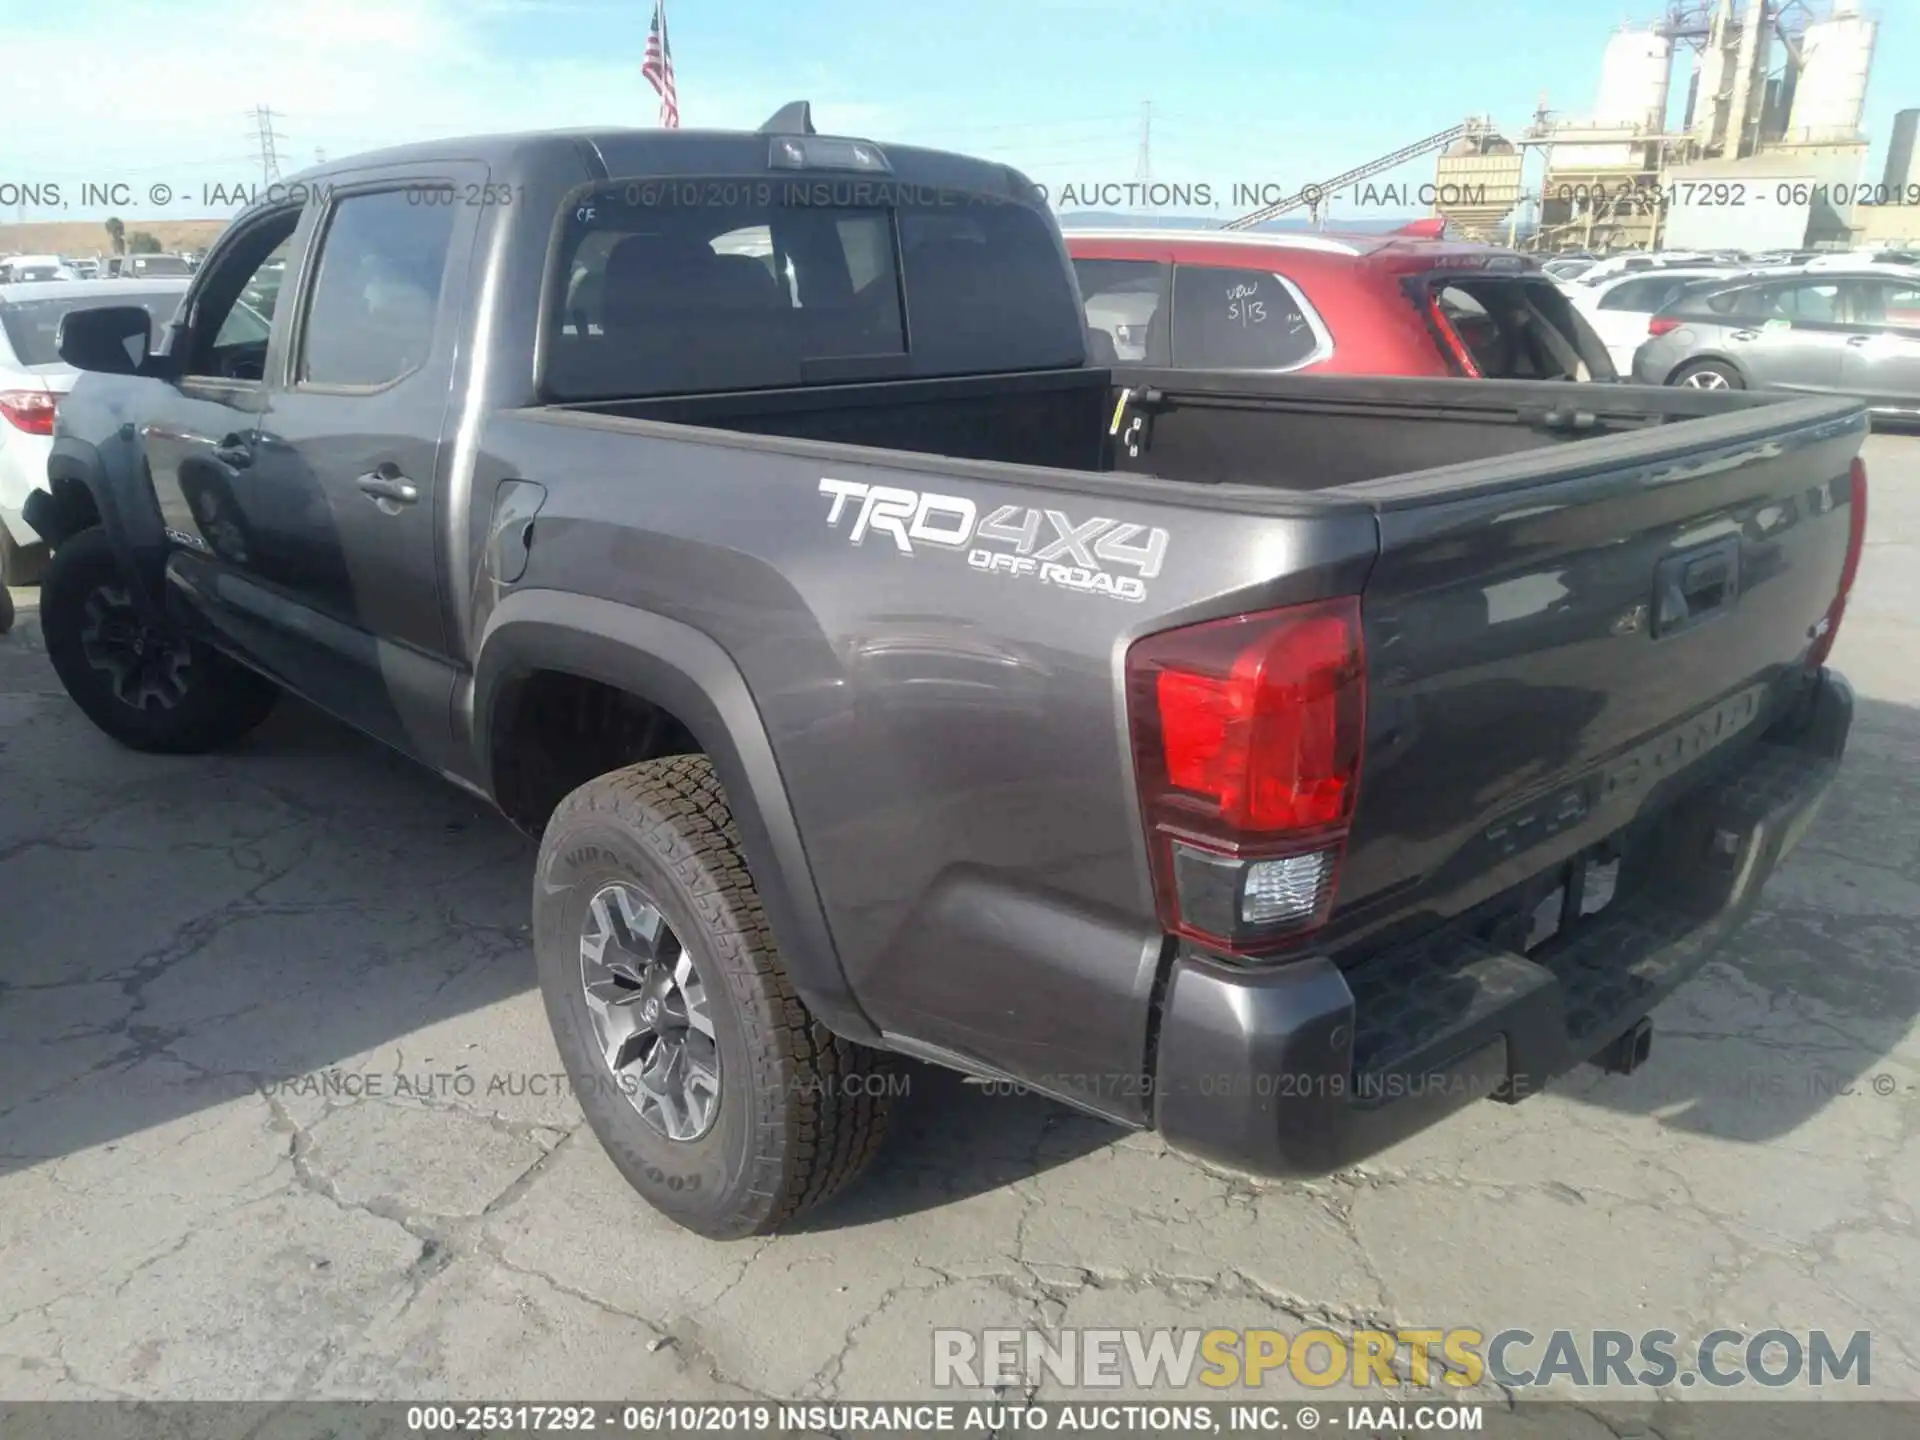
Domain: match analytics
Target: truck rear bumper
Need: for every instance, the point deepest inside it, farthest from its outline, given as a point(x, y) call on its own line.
point(1307, 1067)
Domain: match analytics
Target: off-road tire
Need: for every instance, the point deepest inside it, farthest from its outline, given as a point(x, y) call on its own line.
point(222, 700)
point(801, 1111)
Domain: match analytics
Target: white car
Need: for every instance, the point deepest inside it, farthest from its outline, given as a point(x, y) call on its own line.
point(1643, 261)
point(28, 269)
point(33, 378)
point(1904, 263)
point(1564, 272)
point(1619, 308)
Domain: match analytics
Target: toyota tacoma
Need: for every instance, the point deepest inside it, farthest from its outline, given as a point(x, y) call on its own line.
point(1276, 762)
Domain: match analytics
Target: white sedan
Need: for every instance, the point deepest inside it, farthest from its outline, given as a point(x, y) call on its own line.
point(33, 378)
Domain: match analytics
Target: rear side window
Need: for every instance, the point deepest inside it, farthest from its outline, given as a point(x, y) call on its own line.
point(1742, 304)
point(1125, 300)
point(1898, 304)
point(662, 290)
point(1644, 296)
point(1519, 329)
point(371, 317)
point(1816, 302)
point(1695, 297)
point(1226, 318)
point(1807, 301)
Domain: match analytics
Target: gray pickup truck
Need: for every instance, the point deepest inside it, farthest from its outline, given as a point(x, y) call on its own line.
point(1275, 762)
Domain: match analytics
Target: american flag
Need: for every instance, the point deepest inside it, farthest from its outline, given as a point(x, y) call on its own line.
point(658, 67)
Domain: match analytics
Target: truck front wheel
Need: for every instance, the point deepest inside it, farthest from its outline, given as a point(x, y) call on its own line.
point(719, 1097)
point(148, 687)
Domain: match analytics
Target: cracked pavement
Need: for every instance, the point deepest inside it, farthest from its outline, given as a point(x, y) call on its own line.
point(280, 1117)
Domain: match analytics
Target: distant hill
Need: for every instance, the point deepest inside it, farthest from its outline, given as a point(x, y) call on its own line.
point(81, 238)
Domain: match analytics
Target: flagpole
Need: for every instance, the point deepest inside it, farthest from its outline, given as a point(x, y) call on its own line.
point(666, 58)
point(658, 67)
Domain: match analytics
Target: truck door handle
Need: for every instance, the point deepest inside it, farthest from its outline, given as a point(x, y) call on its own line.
point(1858, 340)
point(1744, 335)
point(389, 489)
point(234, 453)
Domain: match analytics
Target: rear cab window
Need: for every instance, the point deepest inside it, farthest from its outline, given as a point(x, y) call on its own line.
point(703, 285)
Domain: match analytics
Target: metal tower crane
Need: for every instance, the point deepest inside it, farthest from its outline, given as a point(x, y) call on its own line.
point(1314, 196)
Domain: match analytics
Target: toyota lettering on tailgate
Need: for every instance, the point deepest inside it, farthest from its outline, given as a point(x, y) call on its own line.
point(1012, 540)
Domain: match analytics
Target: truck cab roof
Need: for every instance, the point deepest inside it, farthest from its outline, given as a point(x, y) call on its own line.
point(612, 153)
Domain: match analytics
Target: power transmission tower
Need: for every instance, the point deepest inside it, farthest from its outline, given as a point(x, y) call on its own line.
point(1143, 167)
point(263, 118)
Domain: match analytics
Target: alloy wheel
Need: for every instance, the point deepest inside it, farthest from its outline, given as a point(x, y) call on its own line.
point(1705, 380)
point(140, 662)
point(647, 1002)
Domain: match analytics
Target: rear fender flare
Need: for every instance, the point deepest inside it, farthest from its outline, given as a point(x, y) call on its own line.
point(687, 674)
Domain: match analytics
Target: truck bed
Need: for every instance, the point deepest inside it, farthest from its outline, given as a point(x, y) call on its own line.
point(952, 738)
point(1201, 427)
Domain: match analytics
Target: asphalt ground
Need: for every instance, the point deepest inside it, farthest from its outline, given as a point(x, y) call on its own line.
point(279, 1116)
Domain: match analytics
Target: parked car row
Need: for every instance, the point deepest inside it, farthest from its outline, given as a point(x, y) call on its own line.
point(1618, 307)
point(1839, 322)
point(1823, 331)
point(1405, 304)
point(33, 269)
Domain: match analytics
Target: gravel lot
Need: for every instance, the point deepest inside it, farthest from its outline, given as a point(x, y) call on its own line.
point(174, 932)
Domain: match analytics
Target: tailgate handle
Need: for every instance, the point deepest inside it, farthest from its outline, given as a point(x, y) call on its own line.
point(1695, 586)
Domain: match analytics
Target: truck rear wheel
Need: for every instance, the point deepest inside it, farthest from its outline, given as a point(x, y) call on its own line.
point(719, 1097)
point(148, 687)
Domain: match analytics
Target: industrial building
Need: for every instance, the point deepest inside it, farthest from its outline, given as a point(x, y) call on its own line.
point(1893, 220)
point(1767, 152)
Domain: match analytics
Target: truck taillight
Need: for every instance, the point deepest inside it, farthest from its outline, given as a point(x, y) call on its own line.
point(1246, 736)
point(28, 410)
point(1829, 628)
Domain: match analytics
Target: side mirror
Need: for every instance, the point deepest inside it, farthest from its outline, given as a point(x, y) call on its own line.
point(107, 339)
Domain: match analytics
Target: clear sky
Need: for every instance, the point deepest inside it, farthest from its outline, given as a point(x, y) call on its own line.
point(149, 92)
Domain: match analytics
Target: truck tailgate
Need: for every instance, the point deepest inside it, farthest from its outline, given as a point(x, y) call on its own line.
point(1546, 655)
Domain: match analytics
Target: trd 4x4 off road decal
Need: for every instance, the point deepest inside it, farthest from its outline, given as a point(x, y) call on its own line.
point(1013, 540)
